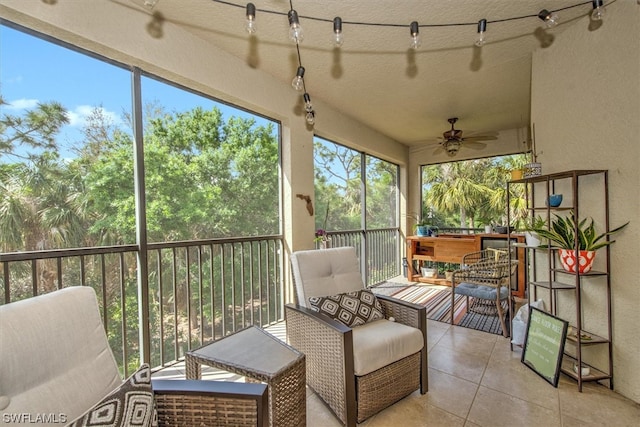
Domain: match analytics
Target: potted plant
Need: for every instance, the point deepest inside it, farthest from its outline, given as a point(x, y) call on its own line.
point(534, 223)
point(562, 236)
point(421, 227)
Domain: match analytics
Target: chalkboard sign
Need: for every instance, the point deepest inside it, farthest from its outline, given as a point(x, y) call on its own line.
point(544, 344)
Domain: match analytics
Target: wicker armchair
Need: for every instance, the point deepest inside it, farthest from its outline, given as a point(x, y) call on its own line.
point(56, 360)
point(182, 403)
point(340, 358)
point(486, 277)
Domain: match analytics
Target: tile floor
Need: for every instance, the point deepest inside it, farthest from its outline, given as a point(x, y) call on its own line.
point(475, 380)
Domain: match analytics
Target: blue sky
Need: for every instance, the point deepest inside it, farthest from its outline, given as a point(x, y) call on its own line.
point(33, 70)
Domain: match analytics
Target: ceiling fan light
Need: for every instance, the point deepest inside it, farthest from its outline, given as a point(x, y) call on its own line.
point(451, 147)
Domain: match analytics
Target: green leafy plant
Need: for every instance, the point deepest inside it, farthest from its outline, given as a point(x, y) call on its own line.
point(420, 221)
point(562, 233)
point(534, 223)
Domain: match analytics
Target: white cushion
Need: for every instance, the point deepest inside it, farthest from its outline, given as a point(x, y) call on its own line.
point(325, 272)
point(377, 344)
point(55, 354)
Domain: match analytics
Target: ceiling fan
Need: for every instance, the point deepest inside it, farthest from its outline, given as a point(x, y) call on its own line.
point(452, 140)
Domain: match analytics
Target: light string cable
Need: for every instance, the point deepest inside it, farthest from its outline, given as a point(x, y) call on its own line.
point(404, 25)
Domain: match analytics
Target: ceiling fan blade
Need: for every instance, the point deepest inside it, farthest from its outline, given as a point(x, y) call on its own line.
point(438, 150)
point(480, 138)
point(474, 145)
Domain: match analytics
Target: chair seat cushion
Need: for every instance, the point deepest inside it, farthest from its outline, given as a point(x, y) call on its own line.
point(481, 291)
point(351, 308)
point(377, 344)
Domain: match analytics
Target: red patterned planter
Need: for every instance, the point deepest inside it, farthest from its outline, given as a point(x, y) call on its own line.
point(568, 260)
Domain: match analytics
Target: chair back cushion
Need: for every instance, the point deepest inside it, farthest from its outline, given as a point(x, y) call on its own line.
point(55, 355)
point(319, 273)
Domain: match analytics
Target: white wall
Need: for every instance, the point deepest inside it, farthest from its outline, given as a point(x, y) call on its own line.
point(586, 113)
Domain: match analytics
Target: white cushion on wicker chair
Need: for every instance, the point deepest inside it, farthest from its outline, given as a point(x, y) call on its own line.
point(328, 275)
point(377, 344)
point(47, 369)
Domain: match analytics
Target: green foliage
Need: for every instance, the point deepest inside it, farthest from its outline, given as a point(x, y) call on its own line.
point(471, 193)
point(562, 232)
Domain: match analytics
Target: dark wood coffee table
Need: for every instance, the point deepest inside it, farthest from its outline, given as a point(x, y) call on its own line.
point(259, 356)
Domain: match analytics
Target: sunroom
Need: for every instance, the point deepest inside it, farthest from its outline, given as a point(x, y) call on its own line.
point(582, 103)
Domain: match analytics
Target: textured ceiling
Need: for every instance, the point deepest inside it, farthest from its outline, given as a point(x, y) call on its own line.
point(374, 77)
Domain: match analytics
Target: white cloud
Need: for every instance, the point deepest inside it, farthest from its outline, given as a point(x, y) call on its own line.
point(21, 104)
point(78, 117)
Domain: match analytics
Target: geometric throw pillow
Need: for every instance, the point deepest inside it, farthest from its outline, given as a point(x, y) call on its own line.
point(351, 308)
point(131, 404)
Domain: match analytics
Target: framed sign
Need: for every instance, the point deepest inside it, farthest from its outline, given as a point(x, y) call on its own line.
point(544, 344)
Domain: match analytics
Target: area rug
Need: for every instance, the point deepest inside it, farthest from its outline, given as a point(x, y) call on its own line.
point(437, 300)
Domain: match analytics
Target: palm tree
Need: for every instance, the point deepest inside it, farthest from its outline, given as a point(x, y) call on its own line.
point(455, 188)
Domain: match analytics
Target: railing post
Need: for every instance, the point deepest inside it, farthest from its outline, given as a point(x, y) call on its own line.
point(141, 219)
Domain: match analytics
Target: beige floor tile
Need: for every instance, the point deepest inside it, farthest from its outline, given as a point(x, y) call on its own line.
point(319, 414)
point(492, 409)
point(469, 341)
point(475, 380)
point(450, 393)
point(508, 375)
point(413, 411)
point(435, 333)
point(463, 365)
point(597, 404)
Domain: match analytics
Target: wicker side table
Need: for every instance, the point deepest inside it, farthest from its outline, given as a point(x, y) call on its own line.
point(258, 355)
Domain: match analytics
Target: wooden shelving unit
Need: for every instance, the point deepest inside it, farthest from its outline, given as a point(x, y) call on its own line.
point(450, 248)
point(538, 189)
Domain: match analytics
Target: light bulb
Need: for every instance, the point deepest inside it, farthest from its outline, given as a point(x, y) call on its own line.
point(415, 35)
point(307, 103)
point(482, 27)
point(298, 80)
point(598, 11)
point(338, 39)
point(295, 30)
point(250, 24)
point(550, 19)
point(311, 117)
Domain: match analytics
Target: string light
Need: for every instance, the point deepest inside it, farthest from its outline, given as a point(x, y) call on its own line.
point(338, 38)
point(307, 102)
point(549, 18)
point(298, 80)
point(296, 33)
point(310, 115)
point(295, 30)
point(396, 25)
point(598, 10)
point(482, 28)
point(250, 24)
point(414, 30)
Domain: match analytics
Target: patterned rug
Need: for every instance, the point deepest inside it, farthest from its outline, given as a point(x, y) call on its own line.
point(437, 300)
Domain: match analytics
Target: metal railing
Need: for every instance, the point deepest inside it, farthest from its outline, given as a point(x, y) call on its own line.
point(199, 290)
point(379, 257)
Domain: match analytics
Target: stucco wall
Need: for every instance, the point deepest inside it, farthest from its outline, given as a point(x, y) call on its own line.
point(586, 113)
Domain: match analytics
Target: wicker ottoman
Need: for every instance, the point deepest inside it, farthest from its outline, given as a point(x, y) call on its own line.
point(259, 356)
